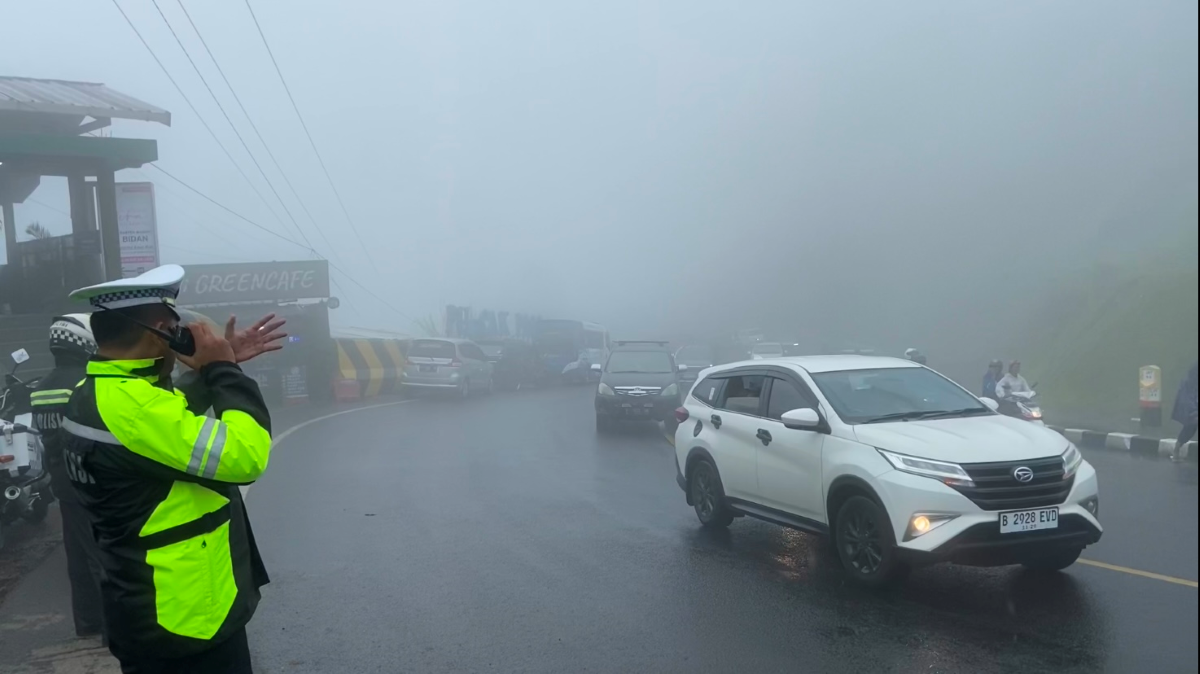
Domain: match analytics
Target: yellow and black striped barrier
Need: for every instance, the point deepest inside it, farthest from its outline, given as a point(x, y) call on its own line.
point(376, 364)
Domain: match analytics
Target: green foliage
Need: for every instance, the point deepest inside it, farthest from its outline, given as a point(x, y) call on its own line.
point(1095, 336)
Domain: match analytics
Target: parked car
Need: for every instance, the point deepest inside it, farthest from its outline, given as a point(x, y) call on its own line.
point(446, 364)
point(514, 363)
point(639, 381)
point(898, 465)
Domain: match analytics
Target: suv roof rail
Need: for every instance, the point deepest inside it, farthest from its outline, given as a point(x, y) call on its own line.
point(660, 342)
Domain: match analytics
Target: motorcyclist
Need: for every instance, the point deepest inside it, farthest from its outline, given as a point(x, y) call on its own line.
point(992, 377)
point(1012, 382)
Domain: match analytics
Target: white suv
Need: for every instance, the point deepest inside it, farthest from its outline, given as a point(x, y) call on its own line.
point(897, 464)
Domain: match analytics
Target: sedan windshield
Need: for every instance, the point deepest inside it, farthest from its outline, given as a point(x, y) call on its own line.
point(650, 362)
point(895, 394)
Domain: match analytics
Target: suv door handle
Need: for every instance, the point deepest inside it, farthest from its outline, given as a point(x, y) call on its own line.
point(764, 435)
point(716, 421)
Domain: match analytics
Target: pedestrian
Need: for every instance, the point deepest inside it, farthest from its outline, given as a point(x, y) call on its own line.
point(71, 344)
point(1185, 413)
point(992, 377)
point(181, 570)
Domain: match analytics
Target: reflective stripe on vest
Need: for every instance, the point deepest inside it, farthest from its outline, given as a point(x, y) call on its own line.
point(88, 433)
point(50, 397)
point(210, 443)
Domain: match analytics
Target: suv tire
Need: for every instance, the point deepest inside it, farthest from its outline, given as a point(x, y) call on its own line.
point(865, 544)
point(1056, 560)
point(707, 495)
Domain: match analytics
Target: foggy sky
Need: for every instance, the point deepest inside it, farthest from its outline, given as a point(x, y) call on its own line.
point(876, 168)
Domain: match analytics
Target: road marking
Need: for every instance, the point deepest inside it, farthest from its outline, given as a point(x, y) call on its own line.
point(1139, 572)
point(284, 435)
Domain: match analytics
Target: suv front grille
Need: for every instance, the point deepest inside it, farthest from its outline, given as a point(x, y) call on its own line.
point(637, 391)
point(997, 489)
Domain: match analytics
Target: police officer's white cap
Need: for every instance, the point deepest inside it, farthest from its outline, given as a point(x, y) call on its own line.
point(157, 286)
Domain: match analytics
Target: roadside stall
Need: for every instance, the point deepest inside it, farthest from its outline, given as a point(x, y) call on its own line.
point(297, 291)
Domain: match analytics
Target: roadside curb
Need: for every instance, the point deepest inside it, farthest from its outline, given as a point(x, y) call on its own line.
point(1128, 442)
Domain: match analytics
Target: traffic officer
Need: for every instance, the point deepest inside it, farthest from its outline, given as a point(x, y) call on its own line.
point(182, 572)
point(71, 344)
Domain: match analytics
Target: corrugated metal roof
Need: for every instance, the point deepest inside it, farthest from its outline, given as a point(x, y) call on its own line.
point(25, 94)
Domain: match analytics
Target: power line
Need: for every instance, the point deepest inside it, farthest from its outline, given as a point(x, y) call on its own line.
point(254, 126)
point(226, 208)
point(237, 133)
point(311, 142)
point(333, 266)
point(196, 112)
point(46, 205)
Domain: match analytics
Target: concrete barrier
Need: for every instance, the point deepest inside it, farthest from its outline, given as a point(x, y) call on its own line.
point(1126, 442)
point(376, 364)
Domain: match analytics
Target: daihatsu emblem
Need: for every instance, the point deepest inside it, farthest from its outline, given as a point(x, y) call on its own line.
point(1023, 474)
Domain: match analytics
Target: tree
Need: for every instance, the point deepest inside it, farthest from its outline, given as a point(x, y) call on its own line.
point(37, 231)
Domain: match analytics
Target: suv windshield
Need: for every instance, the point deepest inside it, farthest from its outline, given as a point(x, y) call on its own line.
point(650, 362)
point(492, 350)
point(432, 348)
point(895, 394)
point(695, 355)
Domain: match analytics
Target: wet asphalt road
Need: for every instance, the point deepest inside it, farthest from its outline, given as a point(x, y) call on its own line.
point(503, 535)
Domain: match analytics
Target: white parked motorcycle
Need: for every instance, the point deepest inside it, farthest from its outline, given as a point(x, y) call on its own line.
point(24, 482)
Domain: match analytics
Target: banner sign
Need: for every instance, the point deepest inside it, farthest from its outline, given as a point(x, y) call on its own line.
point(254, 282)
point(137, 227)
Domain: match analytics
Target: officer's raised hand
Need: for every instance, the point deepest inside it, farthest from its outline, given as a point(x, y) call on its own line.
point(210, 348)
point(262, 337)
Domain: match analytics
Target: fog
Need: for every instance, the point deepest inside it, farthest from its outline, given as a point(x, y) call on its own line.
point(882, 173)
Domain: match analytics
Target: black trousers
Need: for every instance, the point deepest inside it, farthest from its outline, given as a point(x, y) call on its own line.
point(83, 563)
point(1185, 435)
point(231, 656)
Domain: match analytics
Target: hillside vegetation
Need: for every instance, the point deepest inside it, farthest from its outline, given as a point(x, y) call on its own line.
point(1091, 339)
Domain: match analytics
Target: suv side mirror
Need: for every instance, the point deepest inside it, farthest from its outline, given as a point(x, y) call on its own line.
point(991, 403)
point(802, 419)
point(596, 367)
point(683, 367)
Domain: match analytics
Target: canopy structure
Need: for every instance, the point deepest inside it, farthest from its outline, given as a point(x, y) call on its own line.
point(44, 127)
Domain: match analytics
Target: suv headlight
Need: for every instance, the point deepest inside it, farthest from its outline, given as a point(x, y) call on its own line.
point(671, 390)
point(950, 473)
point(605, 390)
point(1072, 460)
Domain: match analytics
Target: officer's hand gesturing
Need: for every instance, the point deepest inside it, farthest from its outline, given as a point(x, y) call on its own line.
point(210, 348)
point(262, 337)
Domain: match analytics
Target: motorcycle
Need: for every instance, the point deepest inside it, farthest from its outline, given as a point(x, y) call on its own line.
point(24, 482)
point(1022, 405)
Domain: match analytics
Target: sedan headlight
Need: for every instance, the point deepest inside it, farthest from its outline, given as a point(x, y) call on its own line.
point(1072, 459)
point(605, 390)
point(950, 473)
point(672, 390)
